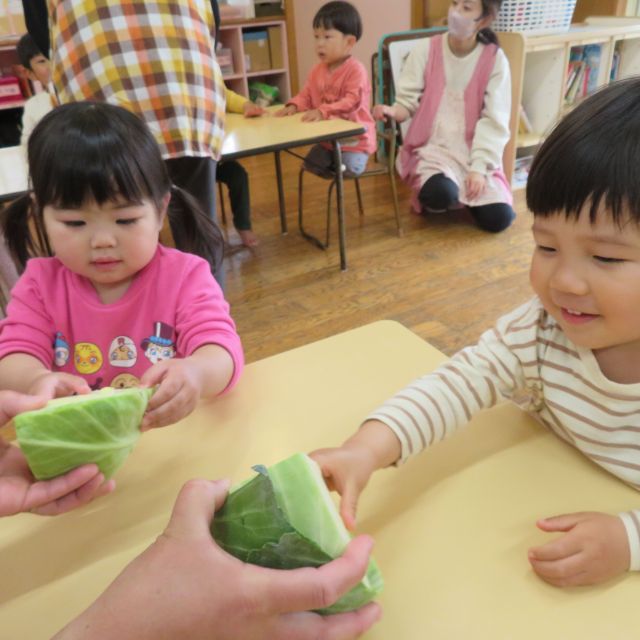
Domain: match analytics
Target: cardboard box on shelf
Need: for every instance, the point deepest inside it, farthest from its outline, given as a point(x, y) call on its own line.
point(267, 8)
point(275, 47)
point(256, 50)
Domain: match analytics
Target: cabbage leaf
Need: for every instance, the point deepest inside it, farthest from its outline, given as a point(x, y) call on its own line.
point(100, 427)
point(285, 518)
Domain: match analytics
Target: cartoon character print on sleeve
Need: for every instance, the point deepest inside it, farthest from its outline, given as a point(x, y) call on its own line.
point(160, 345)
point(122, 352)
point(61, 350)
point(87, 358)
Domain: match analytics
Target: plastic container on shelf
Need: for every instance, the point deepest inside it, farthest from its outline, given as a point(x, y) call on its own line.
point(10, 91)
point(535, 16)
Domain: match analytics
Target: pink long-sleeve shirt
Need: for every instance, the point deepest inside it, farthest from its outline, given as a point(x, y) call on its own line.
point(172, 307)
point(343, 93)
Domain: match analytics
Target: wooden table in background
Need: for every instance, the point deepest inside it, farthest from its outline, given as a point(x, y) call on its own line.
point(452, 527)
point(13, 173)
point(268, 134)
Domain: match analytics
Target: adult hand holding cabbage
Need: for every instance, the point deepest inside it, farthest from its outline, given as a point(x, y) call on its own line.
point(185, 586)
point(19, 490)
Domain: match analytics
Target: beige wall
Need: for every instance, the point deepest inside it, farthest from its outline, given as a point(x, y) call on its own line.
point(378, 17)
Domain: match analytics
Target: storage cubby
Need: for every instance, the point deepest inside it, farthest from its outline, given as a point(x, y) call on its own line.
point(549, 75)
point(234, 37)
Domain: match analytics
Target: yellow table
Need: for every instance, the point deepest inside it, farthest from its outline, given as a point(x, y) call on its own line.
point(452, 527)
point(254, 136)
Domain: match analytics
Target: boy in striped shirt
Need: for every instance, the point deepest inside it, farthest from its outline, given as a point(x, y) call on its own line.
point(570, 357)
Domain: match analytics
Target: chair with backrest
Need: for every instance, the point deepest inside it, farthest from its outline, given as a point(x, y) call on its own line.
point(386, 64)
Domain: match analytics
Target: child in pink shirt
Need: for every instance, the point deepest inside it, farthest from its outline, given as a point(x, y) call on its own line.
point(337, 87)
point(110, 306)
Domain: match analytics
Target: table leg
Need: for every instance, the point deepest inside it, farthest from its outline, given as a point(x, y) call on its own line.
point(283, 212)
point(342, 236)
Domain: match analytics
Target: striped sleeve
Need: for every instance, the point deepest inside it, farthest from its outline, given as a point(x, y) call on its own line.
point(476, 378)
point(631, 521)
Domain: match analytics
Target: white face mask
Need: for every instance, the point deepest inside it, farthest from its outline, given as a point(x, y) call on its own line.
point(461, 27)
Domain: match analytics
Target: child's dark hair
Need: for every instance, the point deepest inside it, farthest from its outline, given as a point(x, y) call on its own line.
point(591, 158)
point(27, 50)
point(489, 8)
point(89, 151)
point(341, 16)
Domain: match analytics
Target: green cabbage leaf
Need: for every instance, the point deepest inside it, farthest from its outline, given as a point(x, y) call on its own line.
point(285, 518)
point(100, 427)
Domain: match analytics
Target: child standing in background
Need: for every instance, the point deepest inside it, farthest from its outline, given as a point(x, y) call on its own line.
point(570, 357)
point(234, 175)
point(337, 87)
point(38, 69)
point(111, 307)
point(456, 88)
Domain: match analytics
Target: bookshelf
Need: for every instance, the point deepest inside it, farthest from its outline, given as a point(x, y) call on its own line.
point(547, 81)
point(255, 50)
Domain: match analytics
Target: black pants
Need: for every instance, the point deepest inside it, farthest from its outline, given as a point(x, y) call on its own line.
point(233, 174)
point(440, 193)
point(197, 176)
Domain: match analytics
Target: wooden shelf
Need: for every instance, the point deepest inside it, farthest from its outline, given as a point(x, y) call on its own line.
point(231, 37)
point(539, 72)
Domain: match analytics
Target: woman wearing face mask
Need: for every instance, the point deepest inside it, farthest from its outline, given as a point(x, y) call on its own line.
point(456, 87)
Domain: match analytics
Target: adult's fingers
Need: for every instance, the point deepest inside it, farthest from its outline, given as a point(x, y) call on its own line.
point(308, 588)
point(340, 626)
point(95, 488)
point(45, 492)
point(195, 506)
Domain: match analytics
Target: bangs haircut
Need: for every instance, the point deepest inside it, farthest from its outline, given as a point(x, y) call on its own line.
point(89, 151)
point(592, 159)
point(27, 50)
point(341, 16)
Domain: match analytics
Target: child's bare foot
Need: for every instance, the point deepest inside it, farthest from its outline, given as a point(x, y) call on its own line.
point(249, 239)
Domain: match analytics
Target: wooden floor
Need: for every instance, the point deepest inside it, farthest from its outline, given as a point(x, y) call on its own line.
point(444, 279)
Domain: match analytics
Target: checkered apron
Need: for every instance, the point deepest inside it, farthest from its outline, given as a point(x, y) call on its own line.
point(155, 58)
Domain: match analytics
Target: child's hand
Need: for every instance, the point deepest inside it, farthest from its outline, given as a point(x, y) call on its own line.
point(346, 469)
point(180, 388)
point(382, 112)
point(252, 110)
point(57, 384)
point(475, 184)
point(312, 116)
point(593, 549)
point(289, 110)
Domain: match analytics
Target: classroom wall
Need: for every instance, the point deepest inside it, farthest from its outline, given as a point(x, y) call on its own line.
point(378, 17)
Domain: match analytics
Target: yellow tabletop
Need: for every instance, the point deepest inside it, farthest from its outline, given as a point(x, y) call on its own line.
point(452, 527)
point(251, 136)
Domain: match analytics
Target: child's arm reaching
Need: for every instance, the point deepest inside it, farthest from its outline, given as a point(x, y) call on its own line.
point(183, 381)
point(347, 469)
point(594, 548)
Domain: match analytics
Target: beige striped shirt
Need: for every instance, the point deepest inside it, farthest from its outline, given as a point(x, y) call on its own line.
point(527, 359)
